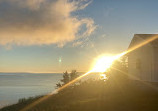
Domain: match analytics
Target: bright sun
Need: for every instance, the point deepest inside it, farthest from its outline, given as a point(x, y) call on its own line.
point(104, 62)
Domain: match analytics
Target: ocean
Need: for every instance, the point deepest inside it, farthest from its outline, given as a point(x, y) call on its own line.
point(14, 86)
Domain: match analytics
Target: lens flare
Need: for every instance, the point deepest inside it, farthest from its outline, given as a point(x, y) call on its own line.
point(104, 62)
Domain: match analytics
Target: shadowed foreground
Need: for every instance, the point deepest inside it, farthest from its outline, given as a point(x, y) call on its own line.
point(91, 97)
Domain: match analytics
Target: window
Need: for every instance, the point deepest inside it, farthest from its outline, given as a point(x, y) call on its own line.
point(138, 64)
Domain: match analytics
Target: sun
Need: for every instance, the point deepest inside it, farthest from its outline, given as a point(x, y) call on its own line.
point(102, 63)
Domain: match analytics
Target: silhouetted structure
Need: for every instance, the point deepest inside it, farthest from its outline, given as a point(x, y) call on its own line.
point(143, 62)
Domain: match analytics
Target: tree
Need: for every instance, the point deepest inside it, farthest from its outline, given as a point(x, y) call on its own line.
point(73, 75)
point(65, 80)
point(67, 77)
point(58, 85)
point(118, 71)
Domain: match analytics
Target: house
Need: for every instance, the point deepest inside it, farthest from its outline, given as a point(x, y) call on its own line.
point(143, 60)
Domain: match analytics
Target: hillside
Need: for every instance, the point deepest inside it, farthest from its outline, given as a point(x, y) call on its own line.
point(97, 95)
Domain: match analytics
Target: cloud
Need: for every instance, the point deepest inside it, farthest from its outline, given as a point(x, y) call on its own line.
point(85, 43)
point(78, 43)
point(42, 22)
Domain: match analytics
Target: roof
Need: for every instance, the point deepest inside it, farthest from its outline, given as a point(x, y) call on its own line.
point(144, 37)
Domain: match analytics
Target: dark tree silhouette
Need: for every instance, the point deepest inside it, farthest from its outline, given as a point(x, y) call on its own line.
point(73, 74)
point(67, 77)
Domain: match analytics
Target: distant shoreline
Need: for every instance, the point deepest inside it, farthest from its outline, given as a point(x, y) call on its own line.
point(34, 73)
point(27, 73)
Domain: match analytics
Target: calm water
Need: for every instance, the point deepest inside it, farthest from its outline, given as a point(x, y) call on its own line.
point(15, 86)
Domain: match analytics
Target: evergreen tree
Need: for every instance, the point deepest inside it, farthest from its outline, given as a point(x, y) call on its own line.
point(73, 75)
point(67, 77)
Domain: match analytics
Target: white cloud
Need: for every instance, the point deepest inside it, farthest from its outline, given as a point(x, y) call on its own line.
point(38, 22)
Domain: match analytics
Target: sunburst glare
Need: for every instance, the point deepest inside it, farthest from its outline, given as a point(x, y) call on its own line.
point(104, 62)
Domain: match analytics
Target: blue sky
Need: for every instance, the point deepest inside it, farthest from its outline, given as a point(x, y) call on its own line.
point(116, 22)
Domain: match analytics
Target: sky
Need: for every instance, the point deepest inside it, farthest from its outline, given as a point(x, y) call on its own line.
point(48, 36)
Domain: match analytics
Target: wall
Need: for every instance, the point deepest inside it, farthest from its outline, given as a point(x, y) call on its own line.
point(145, 55)
point(155, 69)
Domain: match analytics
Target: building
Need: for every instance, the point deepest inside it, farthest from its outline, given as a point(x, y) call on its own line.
point(143, 61)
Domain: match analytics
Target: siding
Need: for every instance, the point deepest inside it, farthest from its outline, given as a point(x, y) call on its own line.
point(155, 71)
point(145, 55)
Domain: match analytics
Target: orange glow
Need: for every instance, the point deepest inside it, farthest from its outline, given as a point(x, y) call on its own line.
point(141, 44)
point(57, 90)
point(102, 64)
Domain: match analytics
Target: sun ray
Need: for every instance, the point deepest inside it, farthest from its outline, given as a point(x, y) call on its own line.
point(96, 68)
point(140, 45)
point(145, 83)
point(54, 92)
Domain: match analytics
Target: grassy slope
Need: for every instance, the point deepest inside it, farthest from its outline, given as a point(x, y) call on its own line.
point(98, 96)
